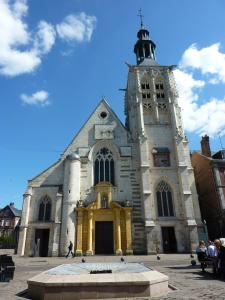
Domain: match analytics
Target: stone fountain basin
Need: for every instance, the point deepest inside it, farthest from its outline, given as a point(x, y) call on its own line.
point(74, 281)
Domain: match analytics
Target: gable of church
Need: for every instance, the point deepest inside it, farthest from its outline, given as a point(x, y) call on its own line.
point(102, 125)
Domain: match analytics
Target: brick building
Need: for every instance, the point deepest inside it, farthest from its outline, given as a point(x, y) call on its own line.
point(9, 223)
point(209, 170)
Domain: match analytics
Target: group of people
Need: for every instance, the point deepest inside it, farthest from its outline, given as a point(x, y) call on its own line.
point(214, 252)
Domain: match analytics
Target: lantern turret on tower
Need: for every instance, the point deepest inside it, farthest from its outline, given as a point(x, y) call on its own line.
point(144, 47)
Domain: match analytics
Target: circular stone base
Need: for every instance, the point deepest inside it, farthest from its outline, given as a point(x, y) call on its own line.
point(98, 281)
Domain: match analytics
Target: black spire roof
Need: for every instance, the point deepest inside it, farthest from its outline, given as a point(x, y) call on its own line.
point(144, 47)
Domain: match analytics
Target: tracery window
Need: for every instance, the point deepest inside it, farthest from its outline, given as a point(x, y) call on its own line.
point(162, 107)
point(45, 209)
point(147, 106)
point(160, 95)
point(145, 87)
point(104, 166)
point(159, 86)
point(159, 90)
point(146, 95)
point(164, 200)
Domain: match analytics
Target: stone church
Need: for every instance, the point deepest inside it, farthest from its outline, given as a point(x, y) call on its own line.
point(119, 189)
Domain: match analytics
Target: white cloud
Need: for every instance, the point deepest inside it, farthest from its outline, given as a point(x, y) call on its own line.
point(20, 8)
point(207, 118)
point(39, 98)
point(21, 51)
point(45, 38)
point(14, 62)
point(12, 29)
point(208, 60)
point(76, 28)
point(14, 34)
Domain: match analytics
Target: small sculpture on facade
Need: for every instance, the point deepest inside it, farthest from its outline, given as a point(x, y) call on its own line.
point(127, 203)
point(179, 136)
point(80, 203)
point(104, 202)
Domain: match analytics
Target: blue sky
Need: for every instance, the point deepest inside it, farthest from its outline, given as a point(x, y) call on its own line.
point(58, 58)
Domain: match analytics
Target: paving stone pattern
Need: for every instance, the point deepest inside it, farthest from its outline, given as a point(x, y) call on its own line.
point(190, 282)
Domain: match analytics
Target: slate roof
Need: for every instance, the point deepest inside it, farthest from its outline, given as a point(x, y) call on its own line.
point(16, 212)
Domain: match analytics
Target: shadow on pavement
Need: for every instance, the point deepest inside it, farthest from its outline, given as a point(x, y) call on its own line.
point(183, 267)
point(23, 294)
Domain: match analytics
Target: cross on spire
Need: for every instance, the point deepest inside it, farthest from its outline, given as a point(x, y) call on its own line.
point(141, 17)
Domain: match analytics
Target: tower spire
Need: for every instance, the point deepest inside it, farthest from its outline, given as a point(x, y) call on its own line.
point(141, 17)
point(144, 47)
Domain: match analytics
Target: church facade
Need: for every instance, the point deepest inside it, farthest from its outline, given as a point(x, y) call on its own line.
point(119, 189)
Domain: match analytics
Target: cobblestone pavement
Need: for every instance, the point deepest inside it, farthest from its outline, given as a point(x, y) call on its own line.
point(189, 281)
point(192, 283)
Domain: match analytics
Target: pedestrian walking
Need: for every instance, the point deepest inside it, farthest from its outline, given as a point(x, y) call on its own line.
point(70, 248)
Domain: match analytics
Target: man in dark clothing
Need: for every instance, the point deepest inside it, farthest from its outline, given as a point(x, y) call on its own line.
point(70, 248)
point(221, 257)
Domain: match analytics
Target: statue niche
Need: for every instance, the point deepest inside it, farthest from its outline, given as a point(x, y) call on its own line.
point(104, 201)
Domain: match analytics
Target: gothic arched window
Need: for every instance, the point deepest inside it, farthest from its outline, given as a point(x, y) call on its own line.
point(146, 94)
point(104, 166)
point(45, 209)
point(164, 200)
point(159, 87)
point(145, 88)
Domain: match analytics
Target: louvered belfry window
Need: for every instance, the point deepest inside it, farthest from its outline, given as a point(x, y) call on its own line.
point(104, 166)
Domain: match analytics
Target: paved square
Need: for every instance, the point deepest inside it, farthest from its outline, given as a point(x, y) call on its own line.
point(190, 282)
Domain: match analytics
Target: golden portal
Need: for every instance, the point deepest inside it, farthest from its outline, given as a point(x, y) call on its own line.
point(104, 226)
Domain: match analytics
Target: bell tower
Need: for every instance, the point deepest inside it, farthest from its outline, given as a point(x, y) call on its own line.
point(153, 117)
